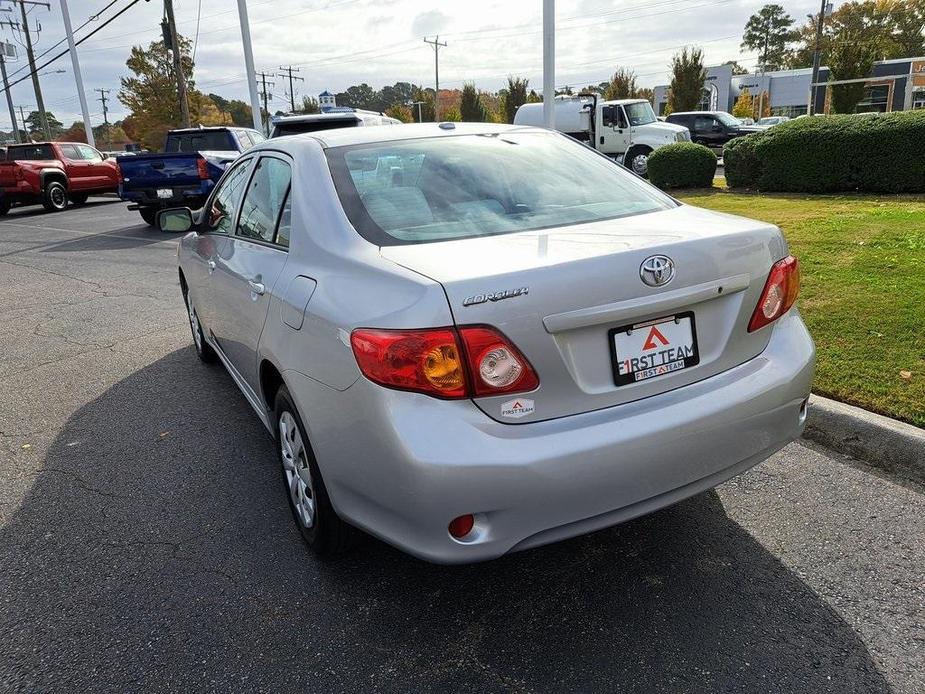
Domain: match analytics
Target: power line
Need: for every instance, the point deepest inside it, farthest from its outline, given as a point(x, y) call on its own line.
point(265, 95)
point(437, 45)
point(103, 99)
point(290, 70)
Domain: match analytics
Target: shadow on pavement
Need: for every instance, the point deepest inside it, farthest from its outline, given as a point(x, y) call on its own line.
point(156, 551)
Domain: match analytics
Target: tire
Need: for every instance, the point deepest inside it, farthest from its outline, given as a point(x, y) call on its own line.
point(320, 526)
point(203, 350)
point(54, 197)
point(637, 160)
point(149, 214)
point(78, 198)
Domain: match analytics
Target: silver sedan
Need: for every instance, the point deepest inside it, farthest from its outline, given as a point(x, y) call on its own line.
point(469, 340)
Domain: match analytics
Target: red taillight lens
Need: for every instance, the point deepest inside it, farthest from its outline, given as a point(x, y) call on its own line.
point(203, 167)
point(496, 365)
point(780, 291)
point(442, 362)
point(426, 361)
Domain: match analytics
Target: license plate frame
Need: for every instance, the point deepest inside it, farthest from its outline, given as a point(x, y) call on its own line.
point(674, 366)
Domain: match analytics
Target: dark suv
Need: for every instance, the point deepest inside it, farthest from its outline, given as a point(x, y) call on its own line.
point(711, 128)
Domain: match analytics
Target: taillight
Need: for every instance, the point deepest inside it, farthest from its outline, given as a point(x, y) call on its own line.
point(496, 365)
point(203, 167)
point(780, 291)
point(443, 362)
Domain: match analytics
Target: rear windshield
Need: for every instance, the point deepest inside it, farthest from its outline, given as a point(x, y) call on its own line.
point(435, 189)
point(206, 141)
point(282, 129)
point(36, 152)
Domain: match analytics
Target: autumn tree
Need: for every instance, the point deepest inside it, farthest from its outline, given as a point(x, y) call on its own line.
point(688, 76)
point(622, 85)
point(769, 31)
point(743, 106)
point(401, 112)
point(151, 93)
point(646, 93)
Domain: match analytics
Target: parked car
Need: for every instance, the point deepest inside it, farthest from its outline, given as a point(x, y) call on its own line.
point(746, 121)
point(625, 129)
point(471, 339)
point(712, 128)
point(53, 173)
point(183, 174)
point(771, 121)
point(341, 118)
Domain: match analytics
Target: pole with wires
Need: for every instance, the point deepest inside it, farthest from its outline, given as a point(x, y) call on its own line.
point(75, 62)
point(103, 99)
point(817, 55)
point(437, 46)
point(9, 97)
point(266, 97)
point(290, 70)
point(39, 101)
point(171, 26)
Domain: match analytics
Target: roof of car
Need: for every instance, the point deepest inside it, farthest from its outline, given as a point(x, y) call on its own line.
point(340, 137)
point(694, 113)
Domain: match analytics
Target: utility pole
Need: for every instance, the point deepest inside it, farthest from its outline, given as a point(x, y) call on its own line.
point(22, 118)
point(249, 65)
point(103, 98)
point(40, 103)
point(171, 35)
point(549, 63)
point(75, 63)
point(266, 96)
point(437, 46)
point(9, 97)
point(290, 70)
point(817, 55)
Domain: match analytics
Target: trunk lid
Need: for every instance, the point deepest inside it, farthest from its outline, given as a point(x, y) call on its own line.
point(582, 281)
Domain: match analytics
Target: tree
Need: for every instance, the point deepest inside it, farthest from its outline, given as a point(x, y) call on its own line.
point(151, 93)
point(471, 109)
point(515, 96)
point(360, 96)
point(310, 105)
point(622, 85)
point(736, 68)
point(533, 97)
point(743, 106)
point(34, 125)
point(401, 112)
point(647, 94)
point(687, 79)
point(451, 115)
point(75, 133)
point(908, 19)
point(769, 32)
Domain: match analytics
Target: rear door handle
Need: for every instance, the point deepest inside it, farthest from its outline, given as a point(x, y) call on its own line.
point(211, 265)
point(256, 287)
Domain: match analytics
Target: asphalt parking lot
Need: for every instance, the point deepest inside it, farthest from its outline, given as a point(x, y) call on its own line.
point(146, 544)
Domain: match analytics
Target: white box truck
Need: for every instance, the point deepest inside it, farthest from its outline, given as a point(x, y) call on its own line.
point(625, 129)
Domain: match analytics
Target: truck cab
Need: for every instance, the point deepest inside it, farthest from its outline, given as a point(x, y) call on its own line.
point(624, 129)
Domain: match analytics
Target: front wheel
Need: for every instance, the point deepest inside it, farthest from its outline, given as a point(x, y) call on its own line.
point(318, 522)
point(54, 197)
point(149, 214)
point(637, 160)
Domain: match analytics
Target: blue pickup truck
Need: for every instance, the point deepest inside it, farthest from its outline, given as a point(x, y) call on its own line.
point(183, 174)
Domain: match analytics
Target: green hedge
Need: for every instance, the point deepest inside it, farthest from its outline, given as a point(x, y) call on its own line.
point(876, 153)
point(682, 165)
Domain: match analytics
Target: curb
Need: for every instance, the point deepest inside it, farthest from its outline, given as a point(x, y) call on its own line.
point(877, 440)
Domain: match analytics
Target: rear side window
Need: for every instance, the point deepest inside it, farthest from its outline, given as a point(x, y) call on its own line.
point(296, 128)
point(204, 141)
point(264, 200)
point(69, 151)
point(30, 152)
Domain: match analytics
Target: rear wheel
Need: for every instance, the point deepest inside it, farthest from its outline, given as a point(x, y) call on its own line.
point(78, 198)
point(318, 522)
point(149, 214)
point(4, 207)
point(54, 197)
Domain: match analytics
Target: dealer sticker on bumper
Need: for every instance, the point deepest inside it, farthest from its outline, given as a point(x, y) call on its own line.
point(654, 348)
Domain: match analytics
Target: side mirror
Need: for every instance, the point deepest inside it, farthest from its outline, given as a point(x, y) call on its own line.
point(176, 219)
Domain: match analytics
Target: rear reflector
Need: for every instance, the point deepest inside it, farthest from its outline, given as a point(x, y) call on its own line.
point(461, 526)
point(779, 294)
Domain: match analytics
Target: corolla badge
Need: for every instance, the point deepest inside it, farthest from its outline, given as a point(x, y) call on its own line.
point(495, 296)
point(657, 270)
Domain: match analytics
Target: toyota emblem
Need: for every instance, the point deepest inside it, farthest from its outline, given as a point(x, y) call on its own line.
point(657, 270)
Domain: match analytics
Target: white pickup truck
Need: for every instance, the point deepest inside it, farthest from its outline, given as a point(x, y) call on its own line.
point(625, 129)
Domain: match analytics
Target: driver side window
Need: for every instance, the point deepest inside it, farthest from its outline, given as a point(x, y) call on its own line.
point(226, 198)
point(704, 123)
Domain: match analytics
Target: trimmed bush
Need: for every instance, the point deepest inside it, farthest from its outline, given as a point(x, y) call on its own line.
point(682, 165)
point(874, 153)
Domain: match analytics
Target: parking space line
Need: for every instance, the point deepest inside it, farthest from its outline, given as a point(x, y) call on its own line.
point(80, 233)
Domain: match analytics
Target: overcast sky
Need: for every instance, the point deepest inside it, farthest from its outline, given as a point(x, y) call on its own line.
point(337, 43)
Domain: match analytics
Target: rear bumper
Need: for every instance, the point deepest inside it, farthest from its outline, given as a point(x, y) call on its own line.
point(181, 196)
point(402, 466)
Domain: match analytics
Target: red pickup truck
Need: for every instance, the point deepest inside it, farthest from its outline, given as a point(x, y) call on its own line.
point(51, 173)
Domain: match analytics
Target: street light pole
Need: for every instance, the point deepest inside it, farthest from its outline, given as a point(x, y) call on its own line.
point(549, 63)
point(249, 65)
point(817, 58)
point(88, 127)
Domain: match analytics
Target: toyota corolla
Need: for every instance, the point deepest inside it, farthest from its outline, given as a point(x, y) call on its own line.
point(472, 339)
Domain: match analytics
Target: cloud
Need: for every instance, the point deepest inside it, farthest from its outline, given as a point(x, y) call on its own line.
point(429, 23)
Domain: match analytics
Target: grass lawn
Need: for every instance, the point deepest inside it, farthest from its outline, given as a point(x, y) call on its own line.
point(863, 289)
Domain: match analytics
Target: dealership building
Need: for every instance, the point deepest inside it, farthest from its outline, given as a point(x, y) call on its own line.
point(893, 85)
